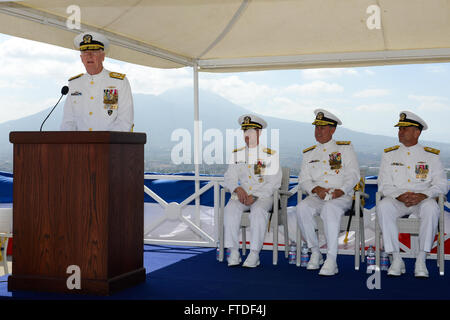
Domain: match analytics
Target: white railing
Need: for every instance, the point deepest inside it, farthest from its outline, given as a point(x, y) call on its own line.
point(173, 210)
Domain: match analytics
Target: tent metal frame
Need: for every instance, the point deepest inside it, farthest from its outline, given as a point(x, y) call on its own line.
point(232, 64)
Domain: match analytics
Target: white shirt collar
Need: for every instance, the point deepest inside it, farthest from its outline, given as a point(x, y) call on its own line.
point(102, 73)
point(326, 144)
point(416, 146)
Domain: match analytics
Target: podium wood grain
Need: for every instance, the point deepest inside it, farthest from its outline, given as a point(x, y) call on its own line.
point(77, 200)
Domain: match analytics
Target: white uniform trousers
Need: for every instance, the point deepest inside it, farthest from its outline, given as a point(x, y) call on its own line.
point(330, 211)
point(259, 217)
point(390, 209)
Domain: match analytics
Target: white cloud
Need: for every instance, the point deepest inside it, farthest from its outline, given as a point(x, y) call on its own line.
point(29, 63)
point(327, 73)
point(282, 107)
point(378, 107)
point(243, 93)
point(39, 69)
point(436, 68)
point(148, 80)
point(371, 93)
point(431, 103)
point(314, 88)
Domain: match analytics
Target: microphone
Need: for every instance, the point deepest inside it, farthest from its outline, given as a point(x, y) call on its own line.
point(64, 91)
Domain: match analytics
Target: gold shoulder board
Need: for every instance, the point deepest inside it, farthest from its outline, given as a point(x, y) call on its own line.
point(239, 149)
point(269, 151)
point(391, 149)
point(345, 143)
point(432, 150)
point(309, 149)
point(77, 76)
point(117, 75)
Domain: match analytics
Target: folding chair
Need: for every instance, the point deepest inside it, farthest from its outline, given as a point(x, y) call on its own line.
point(352, 220)
point(5, 233)
point(278, 216)
point(409, 225)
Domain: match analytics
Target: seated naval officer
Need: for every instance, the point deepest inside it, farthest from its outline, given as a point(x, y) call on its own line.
point(328, 173)
point(98, 100)
point(253, 175)
point(411, 177)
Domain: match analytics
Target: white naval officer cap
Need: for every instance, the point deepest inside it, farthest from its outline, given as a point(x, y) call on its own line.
point(90, 41)
point(410, 119)
point(325, 118)
point(251, 121)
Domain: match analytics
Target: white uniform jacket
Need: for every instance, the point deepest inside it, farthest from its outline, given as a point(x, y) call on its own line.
point(330, 165)
point(257, 169)
point(415, 169)
point(101, 102)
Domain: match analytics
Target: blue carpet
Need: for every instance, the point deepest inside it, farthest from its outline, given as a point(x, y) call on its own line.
point(202, 277)
point(193, 273)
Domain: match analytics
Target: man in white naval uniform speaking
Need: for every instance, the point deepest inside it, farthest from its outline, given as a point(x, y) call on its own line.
point(329, 173)
point(257, 170)
point(411, 177)
point(98, 100)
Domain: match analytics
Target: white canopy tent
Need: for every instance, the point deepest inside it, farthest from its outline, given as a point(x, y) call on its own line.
point(243, 35)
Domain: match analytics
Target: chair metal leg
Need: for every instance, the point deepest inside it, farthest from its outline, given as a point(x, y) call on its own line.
point(275, 229)
point(441, 255)
point(357, 247)
point(377, 232)
point(363, 239)
point(221, 225)
point(415, 245)
point(377, 243)
point(286, 238)
point(244, 240)
point(275, 248)
point(299, 245)
point(441, 246)
point(4, 256)
point(357, 232)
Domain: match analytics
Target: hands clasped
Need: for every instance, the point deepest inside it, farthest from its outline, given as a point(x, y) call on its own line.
point(411, 198)
point(244, 198)
point(327, 193)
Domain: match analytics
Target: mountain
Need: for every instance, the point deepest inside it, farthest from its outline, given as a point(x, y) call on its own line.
point(160, 116)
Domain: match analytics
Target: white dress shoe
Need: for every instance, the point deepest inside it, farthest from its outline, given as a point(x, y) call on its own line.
point(315, 261)
point(420, 269)
point(234, 258)
point(397, 267)
point(329, 268)
point(252, 260)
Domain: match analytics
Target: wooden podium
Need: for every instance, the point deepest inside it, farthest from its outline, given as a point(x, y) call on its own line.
point(78, 200)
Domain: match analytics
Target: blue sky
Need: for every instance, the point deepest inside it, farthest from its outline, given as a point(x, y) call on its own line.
point(367, 99)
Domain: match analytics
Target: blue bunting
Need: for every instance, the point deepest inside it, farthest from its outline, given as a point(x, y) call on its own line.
point(179, 190)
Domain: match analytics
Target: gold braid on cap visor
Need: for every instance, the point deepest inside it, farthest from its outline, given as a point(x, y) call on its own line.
point(91, 47)
point(251, 125)
point(323, 123)
point(406, 124)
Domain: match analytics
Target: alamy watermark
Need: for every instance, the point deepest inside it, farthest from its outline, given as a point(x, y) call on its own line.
point(74, 19)
point(374, 20)
point(211, 144)
point(374, 281)
point(74, 280)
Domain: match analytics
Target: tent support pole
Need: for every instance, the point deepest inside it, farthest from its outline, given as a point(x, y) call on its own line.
point(197, 143)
